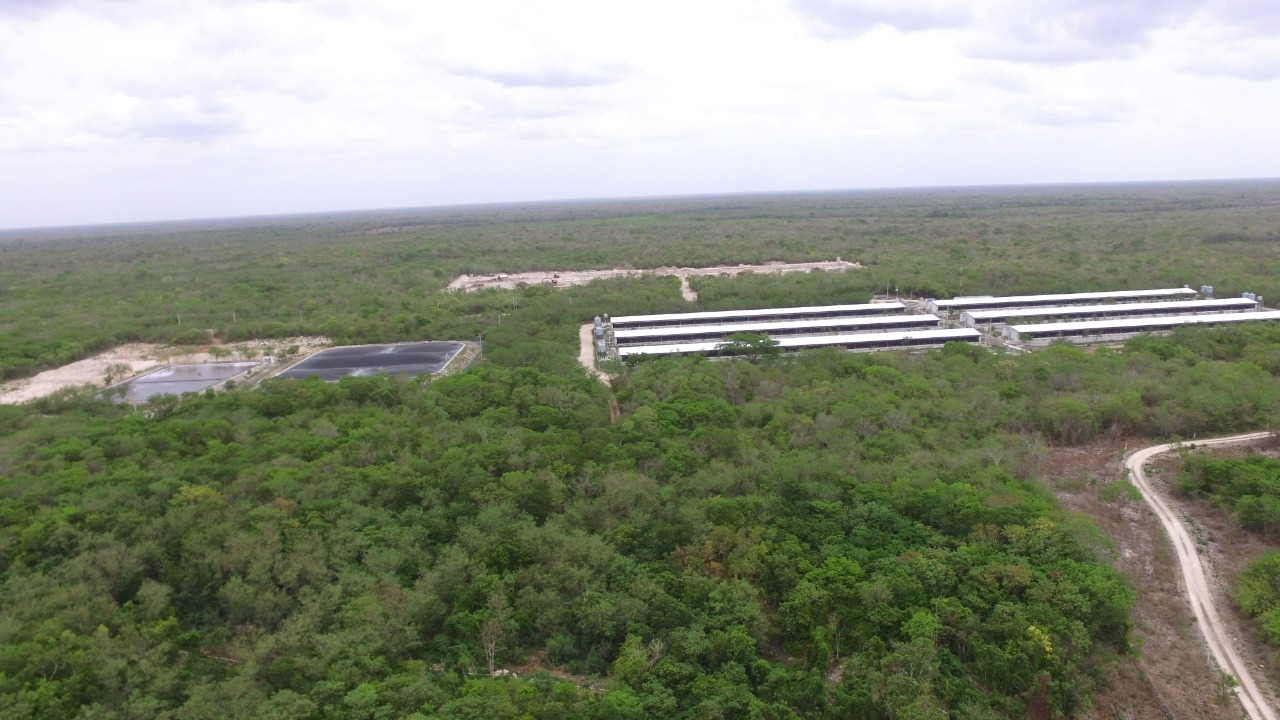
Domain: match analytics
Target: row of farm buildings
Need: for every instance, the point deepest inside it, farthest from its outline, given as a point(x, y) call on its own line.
point(1018, 321)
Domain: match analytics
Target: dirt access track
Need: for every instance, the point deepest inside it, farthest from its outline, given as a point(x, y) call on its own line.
point(567, 278)
point(1215, 634)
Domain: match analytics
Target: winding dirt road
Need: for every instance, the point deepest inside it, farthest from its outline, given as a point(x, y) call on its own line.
point(1215, 634)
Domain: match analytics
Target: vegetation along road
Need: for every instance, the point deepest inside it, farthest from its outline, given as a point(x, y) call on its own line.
point(1211, 626)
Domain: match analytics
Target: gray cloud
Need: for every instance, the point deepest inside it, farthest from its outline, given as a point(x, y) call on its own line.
point(32, 8)
point(1236, 38)
point(187, 129)
point(1239, 68)
point(182, 118)
point(552, 78)
point(1073, 31)
point(854, 17)
point(1257, 16)
point(1075, 114)
point(1242, 59)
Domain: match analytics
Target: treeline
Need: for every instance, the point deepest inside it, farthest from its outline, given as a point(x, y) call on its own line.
point(375, 277)
point(829, 535)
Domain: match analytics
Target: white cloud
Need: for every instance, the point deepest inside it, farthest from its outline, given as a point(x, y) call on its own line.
point(136, 110)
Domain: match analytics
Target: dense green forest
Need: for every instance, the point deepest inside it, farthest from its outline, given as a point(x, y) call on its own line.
point(825, 535)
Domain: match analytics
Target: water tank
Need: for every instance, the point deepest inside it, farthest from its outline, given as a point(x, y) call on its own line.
point(597, 321)
point(599, 332)
point(1259, 299)
point(601, 348)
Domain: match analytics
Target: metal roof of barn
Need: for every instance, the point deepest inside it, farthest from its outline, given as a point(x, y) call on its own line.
point(759, 312)
point(812, 341)
point(1123, 324)
point(1014, 300)
point(1153, 307)
point(766, 327)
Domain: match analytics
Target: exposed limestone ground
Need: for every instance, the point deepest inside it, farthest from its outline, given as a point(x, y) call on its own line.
point(567, 278)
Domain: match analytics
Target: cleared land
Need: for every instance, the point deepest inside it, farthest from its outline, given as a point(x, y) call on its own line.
point(130, 361)
point(569, 278)
point(420, 358)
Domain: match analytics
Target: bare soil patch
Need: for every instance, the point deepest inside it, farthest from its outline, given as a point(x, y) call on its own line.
point(587, 358)
point(1172, 675)
point(568, 278)
point(129, 361)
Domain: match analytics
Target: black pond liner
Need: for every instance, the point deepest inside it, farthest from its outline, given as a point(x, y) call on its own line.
point(177, 379)
point(418, 358)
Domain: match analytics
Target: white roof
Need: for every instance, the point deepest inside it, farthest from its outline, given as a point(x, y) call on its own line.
point(764, 327)
point(1154, 307)
point(1123, 324)
point(761, 312)
point(811, 341)
point(1018, 299)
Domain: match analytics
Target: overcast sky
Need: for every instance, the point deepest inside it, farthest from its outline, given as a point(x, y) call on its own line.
point(123, 110)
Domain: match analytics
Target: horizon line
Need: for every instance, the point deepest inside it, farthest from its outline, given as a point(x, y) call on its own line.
point(619, 199)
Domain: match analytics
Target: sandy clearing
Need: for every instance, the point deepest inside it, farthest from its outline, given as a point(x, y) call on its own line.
point(1211, 626)
point(568, 278)
point(587, 358)
point(587, 353)
point(130, 361)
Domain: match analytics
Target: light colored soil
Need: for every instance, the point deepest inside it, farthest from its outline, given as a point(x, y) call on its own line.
point(568, 278)
point(687, 292)
point(129, 361)
point(462, 360)
point(587, 358)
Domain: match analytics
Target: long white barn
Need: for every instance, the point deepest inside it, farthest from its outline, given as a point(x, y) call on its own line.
point(976, 318)
point(1128, 326)
point(632, 322)
point(694, 333)
point(857, 341)
point(1014, 301)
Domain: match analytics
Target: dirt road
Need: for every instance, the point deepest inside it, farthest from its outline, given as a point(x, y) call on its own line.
point(1251, 697)
point(687, 292)
point(587, 358)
